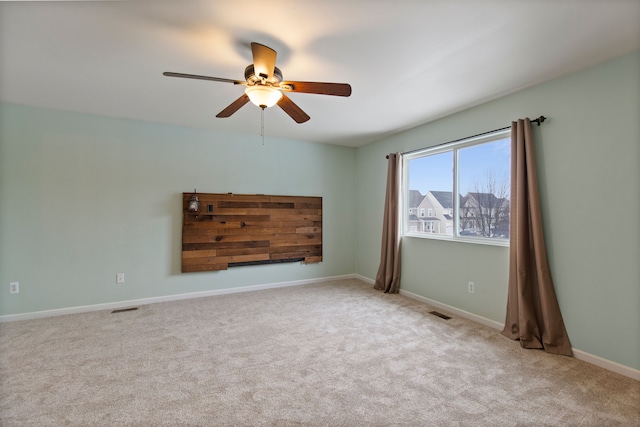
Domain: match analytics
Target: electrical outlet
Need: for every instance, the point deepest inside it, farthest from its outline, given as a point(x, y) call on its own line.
point(14, 287)
point(471, 287)
point(120, 278)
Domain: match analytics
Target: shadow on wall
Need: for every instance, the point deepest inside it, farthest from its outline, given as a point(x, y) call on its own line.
point(175, 210)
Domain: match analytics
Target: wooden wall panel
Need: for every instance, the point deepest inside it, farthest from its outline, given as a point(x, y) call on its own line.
point(243, 229)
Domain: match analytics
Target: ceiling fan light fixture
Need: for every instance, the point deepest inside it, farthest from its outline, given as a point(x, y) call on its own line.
point(263, 96)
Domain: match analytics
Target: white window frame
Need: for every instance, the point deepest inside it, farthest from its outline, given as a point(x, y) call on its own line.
point(445, 148)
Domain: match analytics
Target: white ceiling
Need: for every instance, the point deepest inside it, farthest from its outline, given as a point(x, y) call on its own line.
point(408, 61)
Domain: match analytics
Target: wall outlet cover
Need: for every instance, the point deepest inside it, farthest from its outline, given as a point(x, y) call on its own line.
point(14, 287)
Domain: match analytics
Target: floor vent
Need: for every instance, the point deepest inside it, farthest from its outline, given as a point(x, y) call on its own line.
point(440, 315)
point(122, 310)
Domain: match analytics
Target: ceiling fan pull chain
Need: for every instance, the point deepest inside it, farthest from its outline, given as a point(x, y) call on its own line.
point(262, 124)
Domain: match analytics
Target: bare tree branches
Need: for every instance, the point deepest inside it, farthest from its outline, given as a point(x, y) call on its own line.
point(485, 211)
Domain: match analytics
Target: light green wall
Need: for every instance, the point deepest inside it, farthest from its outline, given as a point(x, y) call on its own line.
point(588, 159)
point(85, 197)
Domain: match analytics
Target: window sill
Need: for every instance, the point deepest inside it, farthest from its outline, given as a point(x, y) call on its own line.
point(475, 241)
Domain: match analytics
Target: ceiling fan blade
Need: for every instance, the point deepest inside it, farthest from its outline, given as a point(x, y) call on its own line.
point(234, 106)
point(336, 89)
point(193, 76)
point(292, 109)
point(264, 60)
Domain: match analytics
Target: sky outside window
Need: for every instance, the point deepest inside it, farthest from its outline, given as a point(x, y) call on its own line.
point(435, 173)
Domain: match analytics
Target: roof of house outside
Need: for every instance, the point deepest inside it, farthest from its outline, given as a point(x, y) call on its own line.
point(445, 198)
point(486, 200)
point(415, 198)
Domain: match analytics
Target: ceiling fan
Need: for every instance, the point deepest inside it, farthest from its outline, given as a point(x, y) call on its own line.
point(265, 86)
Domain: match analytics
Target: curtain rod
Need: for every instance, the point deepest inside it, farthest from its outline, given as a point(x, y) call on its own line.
point(539, 121)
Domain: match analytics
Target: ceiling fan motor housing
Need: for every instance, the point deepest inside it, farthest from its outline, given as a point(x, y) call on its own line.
point(252, 79)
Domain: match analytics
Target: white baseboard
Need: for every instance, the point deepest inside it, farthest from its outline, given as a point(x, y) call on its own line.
point(606, 364)
point(578, 354)
point(165, 298)
point(364, 279)
point(478, 319)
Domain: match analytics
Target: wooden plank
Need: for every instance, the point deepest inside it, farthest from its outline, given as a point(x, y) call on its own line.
point(288, 255)
point(268, 211)
point(214, 231)
point(216, 234)
point(239, 245)
point(241, 197)
point(241, 211)
point(256, 205)
point(276, 213)
point(297, 199)
point(309, 230)
point(313, 259)
point(242, 251)
point(213, 224)
point(203, 261)
point(289, 224)
point(189, 247)
point(256, 232)
point(264, 231)
point(288, 218)
point(250, 232)
point(216, 217)
point(317, 249)
point(225, 259)
point(204, 253)
point(289, 240)
point(308, 205)
point(295, 254)
point(246, 258)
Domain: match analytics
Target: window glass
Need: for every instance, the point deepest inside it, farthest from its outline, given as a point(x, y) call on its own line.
point(430, 181)
point(484, 189)
point(479, 170)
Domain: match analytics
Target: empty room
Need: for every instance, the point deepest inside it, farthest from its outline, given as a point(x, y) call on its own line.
point(320, 213)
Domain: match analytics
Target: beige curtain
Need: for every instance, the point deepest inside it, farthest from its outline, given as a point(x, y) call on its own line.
point(388, 277)
point(533, 313)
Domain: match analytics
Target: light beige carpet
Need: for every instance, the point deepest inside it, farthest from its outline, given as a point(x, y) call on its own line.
point(331, 354)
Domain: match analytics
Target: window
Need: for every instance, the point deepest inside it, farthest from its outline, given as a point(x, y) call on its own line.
point(478, 171)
